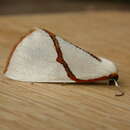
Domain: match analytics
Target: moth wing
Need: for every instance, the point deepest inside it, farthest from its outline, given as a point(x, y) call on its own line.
point(34, 60)
point(83, 64)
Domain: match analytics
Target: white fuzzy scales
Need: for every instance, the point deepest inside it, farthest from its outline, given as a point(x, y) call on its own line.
point(34, 60)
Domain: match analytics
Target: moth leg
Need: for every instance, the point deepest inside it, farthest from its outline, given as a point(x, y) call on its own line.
point(120, 92)
point(115, 83)
point(111, 82)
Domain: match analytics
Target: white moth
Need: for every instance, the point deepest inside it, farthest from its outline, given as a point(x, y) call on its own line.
point(41, 56)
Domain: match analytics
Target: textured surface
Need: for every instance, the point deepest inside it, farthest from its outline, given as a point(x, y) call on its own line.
point(26, 106)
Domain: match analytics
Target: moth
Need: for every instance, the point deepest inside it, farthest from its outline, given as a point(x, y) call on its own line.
point(42, 56)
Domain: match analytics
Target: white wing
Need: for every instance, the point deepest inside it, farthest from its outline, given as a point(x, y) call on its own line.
point(34, 60)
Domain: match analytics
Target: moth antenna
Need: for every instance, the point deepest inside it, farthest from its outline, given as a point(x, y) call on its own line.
point(121, 93)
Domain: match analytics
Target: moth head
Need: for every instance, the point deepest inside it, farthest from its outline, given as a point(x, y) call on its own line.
point(111, 68)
